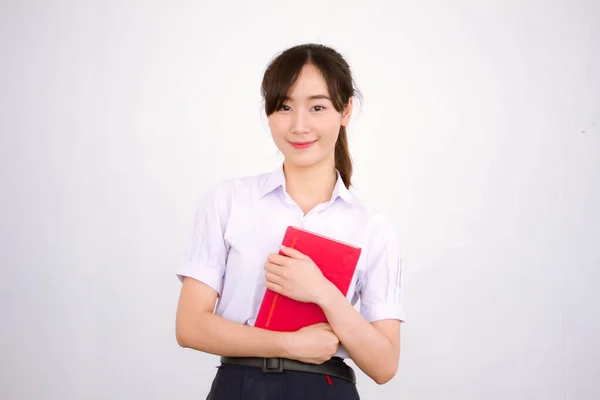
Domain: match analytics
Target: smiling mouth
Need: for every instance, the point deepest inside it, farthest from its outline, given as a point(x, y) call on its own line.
point(302, 145)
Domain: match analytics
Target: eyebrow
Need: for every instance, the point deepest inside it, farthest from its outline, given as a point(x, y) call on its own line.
point(313, 97)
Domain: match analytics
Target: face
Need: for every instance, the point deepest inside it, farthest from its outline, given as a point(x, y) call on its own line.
point(306, 127)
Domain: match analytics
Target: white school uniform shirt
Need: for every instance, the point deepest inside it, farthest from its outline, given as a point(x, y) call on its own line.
point(240, 221)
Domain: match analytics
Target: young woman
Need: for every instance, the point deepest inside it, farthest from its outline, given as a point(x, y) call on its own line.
point(308, 93)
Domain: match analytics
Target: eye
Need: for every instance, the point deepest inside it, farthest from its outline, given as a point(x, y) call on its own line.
point(318, 108)
point(285, 108)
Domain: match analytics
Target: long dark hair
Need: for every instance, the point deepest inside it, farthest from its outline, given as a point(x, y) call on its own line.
point(282, 73)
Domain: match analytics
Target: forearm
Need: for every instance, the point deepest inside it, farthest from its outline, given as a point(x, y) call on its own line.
point(370, 350)
point(214, 334)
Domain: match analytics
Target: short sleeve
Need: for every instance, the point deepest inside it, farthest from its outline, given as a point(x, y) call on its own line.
point(206, 253)
point(381, 284)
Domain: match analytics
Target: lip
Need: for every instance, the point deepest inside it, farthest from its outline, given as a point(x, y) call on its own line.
point(302, 145)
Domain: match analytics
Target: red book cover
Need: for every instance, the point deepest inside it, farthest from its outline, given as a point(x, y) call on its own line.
point(336, 260)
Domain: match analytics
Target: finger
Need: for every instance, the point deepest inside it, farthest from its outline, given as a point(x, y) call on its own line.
point(274, 287)
point(273, 278)
point(274, 268)
point(293, 253)
point(278, 259)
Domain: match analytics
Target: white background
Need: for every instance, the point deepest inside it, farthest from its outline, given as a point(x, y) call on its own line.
point(479, 135)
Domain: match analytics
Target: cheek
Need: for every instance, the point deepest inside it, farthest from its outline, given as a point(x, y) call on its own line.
point(277, 127)
point(329, 131)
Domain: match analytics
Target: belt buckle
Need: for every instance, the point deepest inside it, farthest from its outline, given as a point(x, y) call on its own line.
point(269, 369)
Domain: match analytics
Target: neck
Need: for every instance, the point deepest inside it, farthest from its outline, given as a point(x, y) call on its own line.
point(311, 185)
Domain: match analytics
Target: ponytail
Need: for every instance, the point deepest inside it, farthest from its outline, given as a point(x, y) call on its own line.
point(343, 162)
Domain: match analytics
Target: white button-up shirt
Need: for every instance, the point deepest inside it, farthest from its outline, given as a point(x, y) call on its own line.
point(241, 220)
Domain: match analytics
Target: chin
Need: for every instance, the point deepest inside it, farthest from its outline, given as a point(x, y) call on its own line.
point(303, 161)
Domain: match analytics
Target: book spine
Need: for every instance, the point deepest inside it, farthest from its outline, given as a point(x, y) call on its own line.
point(294, 240)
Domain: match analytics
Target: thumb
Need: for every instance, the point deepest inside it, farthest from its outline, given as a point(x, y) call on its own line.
point(323, 325)
point(293, 253)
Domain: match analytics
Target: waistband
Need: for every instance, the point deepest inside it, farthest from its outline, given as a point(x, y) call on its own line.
point(335, 367)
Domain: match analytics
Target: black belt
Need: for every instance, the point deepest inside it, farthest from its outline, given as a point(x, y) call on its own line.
point(334, 367)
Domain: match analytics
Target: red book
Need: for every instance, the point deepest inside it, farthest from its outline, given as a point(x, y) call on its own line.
point(336, 260)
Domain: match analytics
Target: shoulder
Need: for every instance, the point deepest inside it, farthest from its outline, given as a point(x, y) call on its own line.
point(377, 223)
point(380, 229)
point(381, 225)
point(217, 201)
point(227, 190)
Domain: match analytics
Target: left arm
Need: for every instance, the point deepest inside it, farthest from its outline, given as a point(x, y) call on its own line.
point(371, 337)
point(374, 347)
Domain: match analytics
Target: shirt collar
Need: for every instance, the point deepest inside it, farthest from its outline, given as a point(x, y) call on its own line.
point(276, 179)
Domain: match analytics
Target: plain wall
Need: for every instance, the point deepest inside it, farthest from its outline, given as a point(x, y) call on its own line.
point(479, 136)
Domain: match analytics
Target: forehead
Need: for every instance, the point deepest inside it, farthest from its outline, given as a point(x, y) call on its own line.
point(310, 82)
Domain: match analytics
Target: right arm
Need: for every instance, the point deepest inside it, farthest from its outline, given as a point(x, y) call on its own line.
point(198, 328)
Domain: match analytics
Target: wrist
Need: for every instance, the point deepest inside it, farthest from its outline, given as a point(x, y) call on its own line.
point(328, 294)
point(285, 344)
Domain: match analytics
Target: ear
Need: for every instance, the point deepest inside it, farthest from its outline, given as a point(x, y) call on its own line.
point(347, 112)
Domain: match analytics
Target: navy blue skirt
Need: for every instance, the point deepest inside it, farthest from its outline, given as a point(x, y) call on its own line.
point(237, 382)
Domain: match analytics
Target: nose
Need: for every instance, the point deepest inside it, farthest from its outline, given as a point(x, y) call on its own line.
point(300, 123)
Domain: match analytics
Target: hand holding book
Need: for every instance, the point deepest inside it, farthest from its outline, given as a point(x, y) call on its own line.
point(296, 276)
point(308, 267)
point(313, 344)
